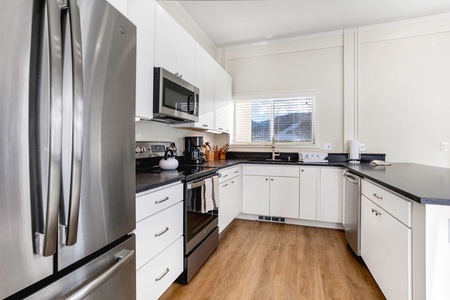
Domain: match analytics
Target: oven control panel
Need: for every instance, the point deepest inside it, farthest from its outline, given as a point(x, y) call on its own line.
point(145, 149)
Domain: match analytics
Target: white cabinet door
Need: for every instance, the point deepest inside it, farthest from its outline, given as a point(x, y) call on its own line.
point(330, 204)
point(166, 44)
point(204, 72)
point(308, 193)
point(394, 257)
point(386, 250)
point(284, 197)
point(142, 14)
point(255, 196)
point(369, 235)
point(236, 196)
point(226, 204)
point(220, 99)
point(174, 47)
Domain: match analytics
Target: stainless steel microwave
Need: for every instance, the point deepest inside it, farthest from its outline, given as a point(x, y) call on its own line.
point(174, 99)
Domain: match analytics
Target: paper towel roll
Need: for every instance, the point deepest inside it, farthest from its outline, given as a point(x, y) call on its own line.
point(353, 150)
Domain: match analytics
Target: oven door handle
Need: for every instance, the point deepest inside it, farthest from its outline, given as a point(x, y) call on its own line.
point(196, 184)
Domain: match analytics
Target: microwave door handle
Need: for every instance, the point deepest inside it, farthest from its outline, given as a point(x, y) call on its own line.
point(46, 241)
point(77, 124)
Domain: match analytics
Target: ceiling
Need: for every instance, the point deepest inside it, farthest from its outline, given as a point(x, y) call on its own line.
point(233, 22)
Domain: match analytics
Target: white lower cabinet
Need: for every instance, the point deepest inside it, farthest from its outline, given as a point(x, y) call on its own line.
point(386, 245)
point(271, 191)
point(159, 239)
point(160, 272)
point(230, 190)
point(321, 194)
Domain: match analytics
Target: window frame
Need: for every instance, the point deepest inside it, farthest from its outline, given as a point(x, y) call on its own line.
point(274, 96)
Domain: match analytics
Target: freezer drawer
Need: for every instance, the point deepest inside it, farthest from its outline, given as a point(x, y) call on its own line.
point(110, 276)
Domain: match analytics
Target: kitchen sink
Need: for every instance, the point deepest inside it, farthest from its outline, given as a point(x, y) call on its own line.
point(274, 161)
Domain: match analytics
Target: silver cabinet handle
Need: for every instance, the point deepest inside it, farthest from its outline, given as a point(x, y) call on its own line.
point(226, 175)
point(225, 185)
point(162, 200)
point(96, 282)
point(376, 212)
point(205, 125)
point(271, 179)
point(162, 232)
point(162, 275)
point(235, 172)
point(376, 196)
point(267, 179)
point(77, 123)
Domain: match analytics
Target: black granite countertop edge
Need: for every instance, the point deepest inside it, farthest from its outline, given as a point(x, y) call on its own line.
point(150, 181)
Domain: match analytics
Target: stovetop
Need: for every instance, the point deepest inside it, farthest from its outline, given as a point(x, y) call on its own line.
point(191, 172)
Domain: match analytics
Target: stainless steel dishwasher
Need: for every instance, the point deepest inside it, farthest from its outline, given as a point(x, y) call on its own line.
point(352, 188)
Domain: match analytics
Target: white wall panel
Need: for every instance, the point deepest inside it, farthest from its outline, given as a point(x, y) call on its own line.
point(404, 98)
point(319, 70)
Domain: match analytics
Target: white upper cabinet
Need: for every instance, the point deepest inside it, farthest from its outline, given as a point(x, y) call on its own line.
point(174, 47)
point(120, 5)
point(204, 81)
point(220, 99)
point(142, 14)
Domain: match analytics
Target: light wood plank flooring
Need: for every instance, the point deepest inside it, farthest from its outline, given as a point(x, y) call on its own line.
point(259, 260)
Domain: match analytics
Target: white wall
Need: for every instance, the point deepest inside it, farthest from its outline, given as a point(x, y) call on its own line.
point(156, 131)
point(386, 85)
point(404, 90)
point(310, 64)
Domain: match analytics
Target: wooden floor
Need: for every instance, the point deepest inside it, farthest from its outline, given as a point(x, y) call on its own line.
point(259, 260)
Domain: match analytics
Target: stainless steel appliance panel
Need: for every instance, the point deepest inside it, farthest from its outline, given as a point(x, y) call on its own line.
point(20, 267)
point(108, 277)
point(352, 187)
point(107, 205)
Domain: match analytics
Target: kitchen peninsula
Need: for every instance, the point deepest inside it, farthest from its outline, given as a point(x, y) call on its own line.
point(427, 190)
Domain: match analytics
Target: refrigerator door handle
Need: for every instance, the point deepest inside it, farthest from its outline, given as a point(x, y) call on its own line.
point(46, 242)
point(77, 123)
point(94, 283)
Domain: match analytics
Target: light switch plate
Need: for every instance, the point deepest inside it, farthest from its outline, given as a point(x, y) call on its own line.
point(362, 147)
point(327, 146)
point(445, 146)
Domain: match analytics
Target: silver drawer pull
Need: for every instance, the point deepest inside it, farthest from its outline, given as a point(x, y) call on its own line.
point(162, 232)
point(225, 185)
point(162, 200)
point(162, 275)
point(376, 196)
point(226, 175)
point(236, 172)
point(376, 212)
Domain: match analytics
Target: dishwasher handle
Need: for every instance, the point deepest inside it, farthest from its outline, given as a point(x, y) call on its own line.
point(351, 178)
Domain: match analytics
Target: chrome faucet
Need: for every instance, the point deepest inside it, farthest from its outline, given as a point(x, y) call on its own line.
point(273, 149)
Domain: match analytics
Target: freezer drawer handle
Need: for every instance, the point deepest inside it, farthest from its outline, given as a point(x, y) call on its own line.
point(162, 275)
point(162, 200)
point(122, 259)
point(162, 232)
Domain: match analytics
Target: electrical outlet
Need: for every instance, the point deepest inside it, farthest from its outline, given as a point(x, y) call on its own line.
point(445, 146)
point(327, 146)
point(362, 147)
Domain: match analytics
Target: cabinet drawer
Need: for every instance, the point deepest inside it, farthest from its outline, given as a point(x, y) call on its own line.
point(149, 203)
point(229, 173)
point(159, 273)
point(155, 233)
point(392, 203)
point(281, 171)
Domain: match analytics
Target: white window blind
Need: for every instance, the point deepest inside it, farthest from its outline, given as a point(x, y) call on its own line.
point(286, 120)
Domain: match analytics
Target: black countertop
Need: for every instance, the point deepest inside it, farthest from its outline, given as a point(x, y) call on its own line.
point(420, 183)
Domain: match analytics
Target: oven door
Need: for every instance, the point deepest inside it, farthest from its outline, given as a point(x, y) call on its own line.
point(198, 225)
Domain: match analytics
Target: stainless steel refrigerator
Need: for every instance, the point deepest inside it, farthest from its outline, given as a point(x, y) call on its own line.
point(67, 179)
